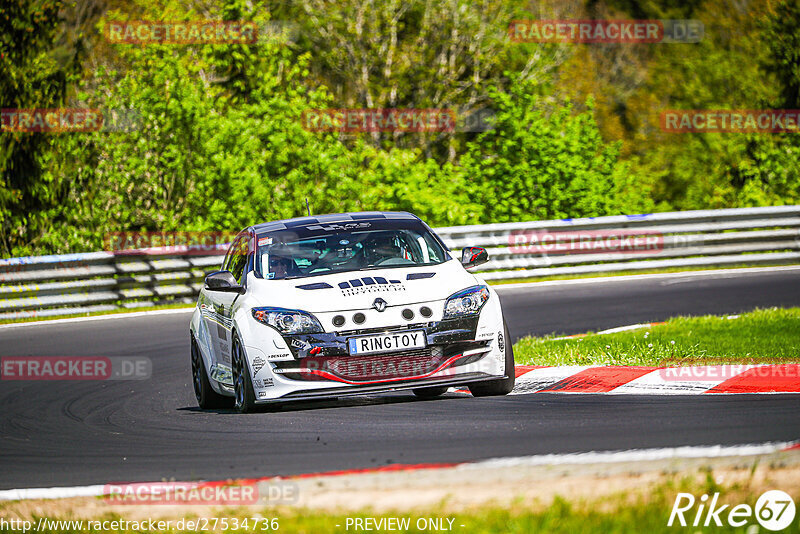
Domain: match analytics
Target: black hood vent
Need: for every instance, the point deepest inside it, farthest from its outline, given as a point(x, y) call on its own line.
point(317, 285)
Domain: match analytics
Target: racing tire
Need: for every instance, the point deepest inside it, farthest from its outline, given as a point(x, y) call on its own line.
point(492, 388)
point(429, 393)
point(245, 397)
point(206, 397)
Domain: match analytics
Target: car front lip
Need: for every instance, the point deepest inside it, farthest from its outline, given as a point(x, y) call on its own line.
point(348, 390)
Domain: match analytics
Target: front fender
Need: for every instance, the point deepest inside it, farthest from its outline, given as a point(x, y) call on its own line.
point(262, 344)
point(198, 329)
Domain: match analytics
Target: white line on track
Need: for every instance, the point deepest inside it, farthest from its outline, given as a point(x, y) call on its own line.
point(52, 493)
point(625, 328)
point(604, 332)
point(718, 273)
point(621, 329)
point(633, 455)
point(100, 317)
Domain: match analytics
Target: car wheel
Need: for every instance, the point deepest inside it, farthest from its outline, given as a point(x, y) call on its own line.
point(205, 394)
point(429, 393)
point(245, 398)
point(502, 386)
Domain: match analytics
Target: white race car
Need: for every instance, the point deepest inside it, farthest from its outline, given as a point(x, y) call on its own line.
point(335, 305)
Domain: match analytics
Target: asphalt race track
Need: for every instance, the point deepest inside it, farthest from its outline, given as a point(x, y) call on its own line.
point(78, 433)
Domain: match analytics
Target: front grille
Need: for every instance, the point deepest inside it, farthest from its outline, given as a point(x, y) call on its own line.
point(415, 353)
point(401, 365)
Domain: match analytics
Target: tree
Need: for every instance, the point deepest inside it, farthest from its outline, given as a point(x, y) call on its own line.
point(417, 54)
point(542, 161)
point(38, 62)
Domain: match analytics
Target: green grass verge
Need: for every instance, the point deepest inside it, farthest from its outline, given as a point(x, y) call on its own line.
point(761, 336)
point(646, 511)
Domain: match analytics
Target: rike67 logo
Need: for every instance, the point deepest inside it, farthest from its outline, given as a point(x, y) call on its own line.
point(774, 510)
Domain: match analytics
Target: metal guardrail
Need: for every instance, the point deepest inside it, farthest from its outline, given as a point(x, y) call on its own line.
point(99, 281)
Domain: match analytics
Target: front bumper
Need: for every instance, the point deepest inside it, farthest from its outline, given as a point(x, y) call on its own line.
point(321, 365)
point(437, 333)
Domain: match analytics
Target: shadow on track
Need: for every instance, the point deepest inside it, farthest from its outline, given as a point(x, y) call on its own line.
point(342, 402)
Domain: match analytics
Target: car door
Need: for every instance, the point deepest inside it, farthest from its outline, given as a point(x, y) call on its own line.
point(220, 304)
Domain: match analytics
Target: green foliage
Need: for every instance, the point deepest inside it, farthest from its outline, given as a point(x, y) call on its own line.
point(416, 54)
point(221, 142)
point(35, 72)
point(747, 60)
point(782, 39)
point(543, 161)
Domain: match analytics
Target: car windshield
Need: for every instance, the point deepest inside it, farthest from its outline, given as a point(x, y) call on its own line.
point(320, 250)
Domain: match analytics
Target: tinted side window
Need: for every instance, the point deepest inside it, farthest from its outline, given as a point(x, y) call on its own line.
point(226, 263)
point(238, 257)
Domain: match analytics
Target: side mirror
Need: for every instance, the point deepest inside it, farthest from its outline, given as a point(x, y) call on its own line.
point(223, 281)
point(473, 256)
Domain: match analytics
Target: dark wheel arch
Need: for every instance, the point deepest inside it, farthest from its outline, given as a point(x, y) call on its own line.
point(206, 397)
point(244, 396)
point(502, 386)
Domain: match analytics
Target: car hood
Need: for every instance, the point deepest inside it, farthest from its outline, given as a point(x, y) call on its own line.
point(402, 286)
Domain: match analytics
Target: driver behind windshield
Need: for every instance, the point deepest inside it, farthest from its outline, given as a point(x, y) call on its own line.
point(279, 267)
point(378, 248)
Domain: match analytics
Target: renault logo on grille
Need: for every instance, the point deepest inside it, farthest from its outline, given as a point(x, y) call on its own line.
point(379, 304)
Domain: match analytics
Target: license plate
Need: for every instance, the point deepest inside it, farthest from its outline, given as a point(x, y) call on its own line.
point(391, 342)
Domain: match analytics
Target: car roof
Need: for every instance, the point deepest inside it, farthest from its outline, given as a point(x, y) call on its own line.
point(287, 224)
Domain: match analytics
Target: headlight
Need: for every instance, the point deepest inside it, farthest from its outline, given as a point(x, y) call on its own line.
point(466, 302)
point(288, 321)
